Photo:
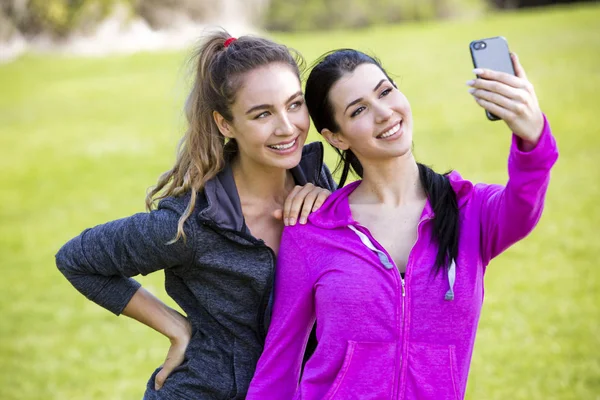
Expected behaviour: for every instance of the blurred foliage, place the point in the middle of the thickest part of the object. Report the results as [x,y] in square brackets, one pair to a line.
[57,17]
[534,3]
[62,17]
[166,13]
[305,15]
[298,15]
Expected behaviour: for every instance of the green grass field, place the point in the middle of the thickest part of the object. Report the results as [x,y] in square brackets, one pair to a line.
[82,139]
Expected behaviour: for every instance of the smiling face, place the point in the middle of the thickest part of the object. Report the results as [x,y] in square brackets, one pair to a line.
[270,120]
[374,118]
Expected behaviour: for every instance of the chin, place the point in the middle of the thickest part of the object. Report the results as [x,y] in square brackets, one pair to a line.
[404,151]
[290,162]
[400,151]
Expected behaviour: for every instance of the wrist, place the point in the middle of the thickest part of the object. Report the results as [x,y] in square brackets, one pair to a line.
[526,145]
[529,142]
[180,329]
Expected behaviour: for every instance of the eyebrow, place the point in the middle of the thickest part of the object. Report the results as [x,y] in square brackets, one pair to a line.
[265,106]
[361,99]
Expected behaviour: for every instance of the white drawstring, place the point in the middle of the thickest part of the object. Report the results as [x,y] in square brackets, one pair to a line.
[383,258]
[451,279]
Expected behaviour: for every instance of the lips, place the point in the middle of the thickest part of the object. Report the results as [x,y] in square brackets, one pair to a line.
[391,131]
[284,146]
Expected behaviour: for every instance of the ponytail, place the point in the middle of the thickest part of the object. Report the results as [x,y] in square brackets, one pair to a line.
[445,208]
[220,63]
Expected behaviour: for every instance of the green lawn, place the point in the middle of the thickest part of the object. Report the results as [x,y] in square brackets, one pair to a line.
[82,139]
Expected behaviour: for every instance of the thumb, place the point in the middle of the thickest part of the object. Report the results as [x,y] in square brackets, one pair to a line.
[519,71]
[278,214]
[164,373]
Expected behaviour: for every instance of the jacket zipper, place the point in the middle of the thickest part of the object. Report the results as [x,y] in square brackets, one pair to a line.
[404,339]
[403,292]
[395,274]
[264,301]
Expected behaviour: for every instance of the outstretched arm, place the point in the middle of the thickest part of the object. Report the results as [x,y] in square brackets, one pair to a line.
[509,213]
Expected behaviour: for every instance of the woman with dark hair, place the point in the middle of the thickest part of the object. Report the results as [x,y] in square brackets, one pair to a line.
[391,267]
[217,226]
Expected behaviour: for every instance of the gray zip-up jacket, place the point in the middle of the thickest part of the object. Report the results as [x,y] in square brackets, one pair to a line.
[221,277]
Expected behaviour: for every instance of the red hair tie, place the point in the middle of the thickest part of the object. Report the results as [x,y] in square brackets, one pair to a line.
[229,41]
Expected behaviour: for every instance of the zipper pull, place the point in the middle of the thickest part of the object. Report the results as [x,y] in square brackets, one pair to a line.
[403,290]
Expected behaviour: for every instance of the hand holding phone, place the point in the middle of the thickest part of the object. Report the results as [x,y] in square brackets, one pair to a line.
[505,95]
[492,53]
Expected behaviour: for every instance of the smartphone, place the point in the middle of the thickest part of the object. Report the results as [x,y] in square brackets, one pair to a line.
[491,53]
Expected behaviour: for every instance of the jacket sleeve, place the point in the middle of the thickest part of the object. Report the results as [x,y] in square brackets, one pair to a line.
[509,213]
[100,262]
[278,370]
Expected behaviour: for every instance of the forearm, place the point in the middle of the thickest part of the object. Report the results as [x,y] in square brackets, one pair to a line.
[509,213]
[150,311]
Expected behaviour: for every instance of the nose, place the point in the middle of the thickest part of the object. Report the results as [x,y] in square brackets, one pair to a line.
[285,126]
[382,113]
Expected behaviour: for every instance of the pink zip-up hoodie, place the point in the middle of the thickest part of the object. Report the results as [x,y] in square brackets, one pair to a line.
[381,336]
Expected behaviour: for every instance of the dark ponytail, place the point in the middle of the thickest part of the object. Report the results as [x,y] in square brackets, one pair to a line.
[348,162]
[324,74]
[445,208]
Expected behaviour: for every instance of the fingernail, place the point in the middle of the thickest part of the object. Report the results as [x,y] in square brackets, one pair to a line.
[286,221]
[471,82]
[472,90]
[292,221]
[302,220]
[478,71]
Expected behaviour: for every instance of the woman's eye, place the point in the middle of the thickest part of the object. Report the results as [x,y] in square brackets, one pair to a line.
[296,105]
[386,92]
[357,111]
[262,115]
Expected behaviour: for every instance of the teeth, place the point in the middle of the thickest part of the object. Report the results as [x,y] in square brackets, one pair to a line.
[390,132]
[283,146]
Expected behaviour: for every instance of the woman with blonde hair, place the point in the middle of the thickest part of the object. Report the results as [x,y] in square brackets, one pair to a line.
[217,226]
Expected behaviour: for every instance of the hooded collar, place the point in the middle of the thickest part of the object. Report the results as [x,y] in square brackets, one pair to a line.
[335,212]
[220,203]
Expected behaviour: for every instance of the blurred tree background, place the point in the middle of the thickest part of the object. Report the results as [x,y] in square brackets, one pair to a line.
[59,18]
[82,138]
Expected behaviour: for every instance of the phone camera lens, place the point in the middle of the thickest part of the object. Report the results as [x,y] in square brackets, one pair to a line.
[479,45]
